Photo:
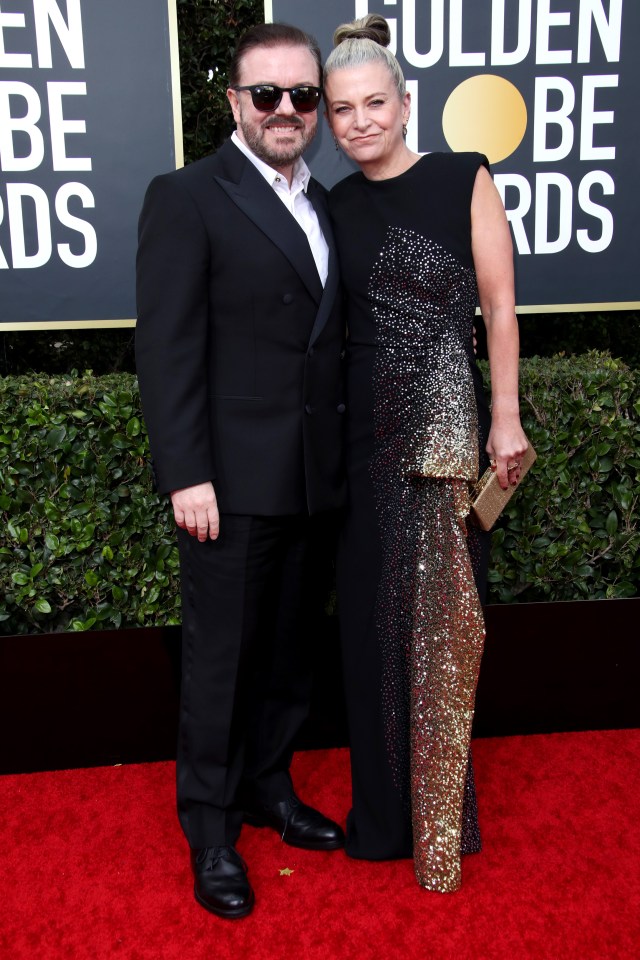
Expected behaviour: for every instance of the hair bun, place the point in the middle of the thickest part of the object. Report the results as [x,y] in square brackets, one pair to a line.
[372,27]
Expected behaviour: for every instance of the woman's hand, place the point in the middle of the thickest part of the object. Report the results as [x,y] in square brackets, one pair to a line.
[506,446]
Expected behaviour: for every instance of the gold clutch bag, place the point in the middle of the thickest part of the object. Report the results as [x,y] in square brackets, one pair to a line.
[488,499]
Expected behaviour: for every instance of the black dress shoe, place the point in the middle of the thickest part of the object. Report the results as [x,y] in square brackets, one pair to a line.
[298,825]
[221,884]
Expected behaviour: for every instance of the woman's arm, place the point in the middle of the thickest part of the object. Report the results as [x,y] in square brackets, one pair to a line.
[493,260]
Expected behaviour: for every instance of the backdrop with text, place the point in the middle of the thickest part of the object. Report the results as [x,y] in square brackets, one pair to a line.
[89,113]
[549,91]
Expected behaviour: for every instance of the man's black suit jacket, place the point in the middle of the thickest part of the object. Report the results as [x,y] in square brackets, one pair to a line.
[238,345]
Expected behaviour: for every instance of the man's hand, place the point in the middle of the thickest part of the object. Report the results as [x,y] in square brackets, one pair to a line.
[196,510]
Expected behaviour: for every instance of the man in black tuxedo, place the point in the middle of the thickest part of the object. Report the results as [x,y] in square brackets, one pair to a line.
[239,345]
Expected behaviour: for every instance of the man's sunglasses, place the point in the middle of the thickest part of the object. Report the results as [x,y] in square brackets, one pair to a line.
[267,96]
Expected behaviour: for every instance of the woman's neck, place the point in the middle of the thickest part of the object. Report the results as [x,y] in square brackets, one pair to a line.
[392,166]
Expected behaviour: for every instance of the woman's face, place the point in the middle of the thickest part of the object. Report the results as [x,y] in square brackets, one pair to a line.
[366,113]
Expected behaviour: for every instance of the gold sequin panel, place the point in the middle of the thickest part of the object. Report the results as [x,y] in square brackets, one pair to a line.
[448,639]
[428,614]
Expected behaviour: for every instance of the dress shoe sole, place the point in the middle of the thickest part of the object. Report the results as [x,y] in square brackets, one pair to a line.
[253,820]
[230,913]
[328,846]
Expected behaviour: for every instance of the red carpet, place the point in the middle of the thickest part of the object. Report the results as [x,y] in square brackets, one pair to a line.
[94,866]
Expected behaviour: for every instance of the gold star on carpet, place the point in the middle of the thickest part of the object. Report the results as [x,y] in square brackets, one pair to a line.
[286,872]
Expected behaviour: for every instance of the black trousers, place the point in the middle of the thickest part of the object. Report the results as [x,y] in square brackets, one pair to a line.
[246,678]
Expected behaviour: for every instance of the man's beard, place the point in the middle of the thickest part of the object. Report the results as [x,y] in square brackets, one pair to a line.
[276,155]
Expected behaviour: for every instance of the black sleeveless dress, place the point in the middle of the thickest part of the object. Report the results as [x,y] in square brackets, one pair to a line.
[410,574]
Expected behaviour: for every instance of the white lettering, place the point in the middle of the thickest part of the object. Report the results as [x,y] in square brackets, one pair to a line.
[61,127]
[15,60]
[516,215]
[565,192]
[409,34]
[499,55]
[26,124]
[548,25]
[47,13]
[456,56]
[546,20]
[77,260]
[543,118]
[591,116]
[16,192]
[3,260]
[604,180]
[609,31]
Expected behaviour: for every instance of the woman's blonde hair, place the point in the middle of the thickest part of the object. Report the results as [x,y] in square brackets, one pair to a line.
[364,41]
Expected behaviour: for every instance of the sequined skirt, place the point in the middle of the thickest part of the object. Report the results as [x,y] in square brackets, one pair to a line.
[412,635]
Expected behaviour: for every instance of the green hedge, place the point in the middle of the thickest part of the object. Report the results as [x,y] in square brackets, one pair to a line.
[573,529]
[88,544]
[208,31]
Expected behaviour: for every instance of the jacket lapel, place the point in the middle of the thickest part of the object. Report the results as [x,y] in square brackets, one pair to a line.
[317,196]
[251,194]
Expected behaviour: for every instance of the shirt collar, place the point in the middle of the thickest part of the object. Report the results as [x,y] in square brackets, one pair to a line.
[301,172]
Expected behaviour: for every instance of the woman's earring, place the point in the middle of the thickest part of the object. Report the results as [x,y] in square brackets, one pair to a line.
[335,140]
[404,130]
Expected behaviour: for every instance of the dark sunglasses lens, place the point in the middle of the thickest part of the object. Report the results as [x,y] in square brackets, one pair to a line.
[305,99]
[266,97]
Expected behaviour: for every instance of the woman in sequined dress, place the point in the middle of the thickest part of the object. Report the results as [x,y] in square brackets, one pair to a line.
[419,238]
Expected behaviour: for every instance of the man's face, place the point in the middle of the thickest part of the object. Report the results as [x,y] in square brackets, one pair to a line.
[280,137]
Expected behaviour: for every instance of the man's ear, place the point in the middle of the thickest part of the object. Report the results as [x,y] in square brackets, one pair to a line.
[232,97]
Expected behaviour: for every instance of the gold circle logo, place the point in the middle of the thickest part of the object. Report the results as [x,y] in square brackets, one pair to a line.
[485,113]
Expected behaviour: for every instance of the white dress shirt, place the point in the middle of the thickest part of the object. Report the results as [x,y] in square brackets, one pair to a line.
[295,200]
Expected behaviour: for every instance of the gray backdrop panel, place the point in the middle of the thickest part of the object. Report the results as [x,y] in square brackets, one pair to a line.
[129,137]
[571,276]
